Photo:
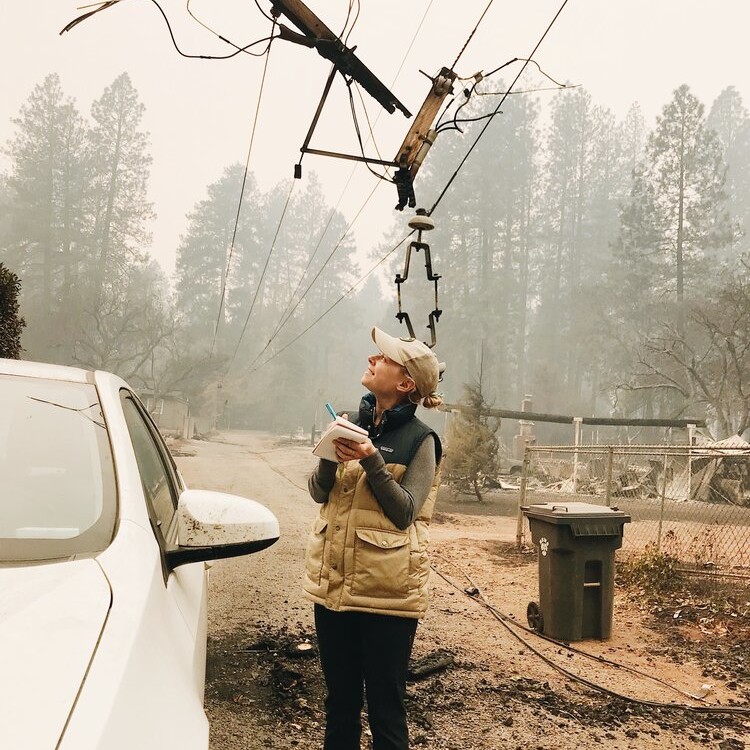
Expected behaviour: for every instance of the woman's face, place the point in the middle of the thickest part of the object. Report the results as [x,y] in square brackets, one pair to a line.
[384,377]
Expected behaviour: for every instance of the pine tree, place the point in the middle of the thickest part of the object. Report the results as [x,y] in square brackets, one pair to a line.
[730,120]
[677,217]
[203,255]
[583,184]
[120,165]
[45,234]
[483,244]
[471,442]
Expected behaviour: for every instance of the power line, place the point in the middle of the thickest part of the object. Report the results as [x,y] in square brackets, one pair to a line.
[316,277]
[497,109]
[239,202]
[370,128]
[238,50]
[445,189]
[224,39]
[359,134]
[471,36]
[262,275]
[340,299]
[284,317]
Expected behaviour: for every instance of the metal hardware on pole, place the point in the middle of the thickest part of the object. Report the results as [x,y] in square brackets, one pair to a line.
[421,222]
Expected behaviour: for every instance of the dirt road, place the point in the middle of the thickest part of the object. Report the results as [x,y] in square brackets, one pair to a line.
[264,692]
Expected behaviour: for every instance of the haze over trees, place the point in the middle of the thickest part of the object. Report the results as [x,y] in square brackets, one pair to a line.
[603,263]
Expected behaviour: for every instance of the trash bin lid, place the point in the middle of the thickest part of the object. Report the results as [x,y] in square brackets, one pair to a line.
[584,519]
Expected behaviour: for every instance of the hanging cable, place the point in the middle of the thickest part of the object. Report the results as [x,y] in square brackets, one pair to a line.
[354,22]
[349,83]
[223,38]
[239,202]
[329,309]
[238,50]
[478,78]
[262,275]
[370,128]
[527,91]
[497,109]
[283,320]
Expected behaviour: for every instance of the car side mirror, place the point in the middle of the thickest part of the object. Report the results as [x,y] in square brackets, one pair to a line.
[215,525]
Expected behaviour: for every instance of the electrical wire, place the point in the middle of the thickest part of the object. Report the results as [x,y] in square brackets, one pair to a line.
[238,50]
[354,23]
[329,309]
[284,317]
[370,128]
[263,12]
[239,202]
[527,91]
[359,134]
[471,36]
[223,38]
[507,622]
[478,78]
[497,109]
[262,275]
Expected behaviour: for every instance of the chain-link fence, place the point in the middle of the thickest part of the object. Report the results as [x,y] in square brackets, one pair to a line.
[692,502]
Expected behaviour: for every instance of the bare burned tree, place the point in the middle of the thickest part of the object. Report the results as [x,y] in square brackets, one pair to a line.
[124,326]
[706,362]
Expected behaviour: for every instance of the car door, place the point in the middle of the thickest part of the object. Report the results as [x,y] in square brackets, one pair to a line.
[186,586]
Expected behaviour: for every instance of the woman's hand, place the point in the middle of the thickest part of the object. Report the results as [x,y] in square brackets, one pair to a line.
[350,450]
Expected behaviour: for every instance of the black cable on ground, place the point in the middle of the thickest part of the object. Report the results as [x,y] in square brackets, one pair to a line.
[507,621]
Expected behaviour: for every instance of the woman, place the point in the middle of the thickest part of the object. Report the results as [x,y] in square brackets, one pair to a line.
[367,565]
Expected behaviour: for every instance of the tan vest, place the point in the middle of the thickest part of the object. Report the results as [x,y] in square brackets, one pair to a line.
[358,560]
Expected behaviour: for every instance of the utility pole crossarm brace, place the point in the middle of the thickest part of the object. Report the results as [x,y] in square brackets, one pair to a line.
[316,34]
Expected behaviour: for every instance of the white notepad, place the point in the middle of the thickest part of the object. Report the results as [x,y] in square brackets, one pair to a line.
[339,428]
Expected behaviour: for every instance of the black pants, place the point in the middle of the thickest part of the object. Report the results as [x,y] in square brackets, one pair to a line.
[359,648]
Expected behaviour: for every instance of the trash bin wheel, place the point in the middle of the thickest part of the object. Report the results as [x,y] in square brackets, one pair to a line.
[534,617]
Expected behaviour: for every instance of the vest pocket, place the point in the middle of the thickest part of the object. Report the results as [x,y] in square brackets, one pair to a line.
[381,563]
[315,548]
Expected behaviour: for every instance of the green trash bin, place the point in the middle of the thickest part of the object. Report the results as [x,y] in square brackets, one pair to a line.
[577,543]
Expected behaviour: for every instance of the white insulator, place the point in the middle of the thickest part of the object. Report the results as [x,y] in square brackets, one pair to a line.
[421,222]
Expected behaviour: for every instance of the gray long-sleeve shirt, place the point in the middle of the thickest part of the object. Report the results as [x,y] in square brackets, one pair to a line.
[400,502]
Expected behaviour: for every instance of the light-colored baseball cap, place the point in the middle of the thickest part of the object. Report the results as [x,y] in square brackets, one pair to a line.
[418,359]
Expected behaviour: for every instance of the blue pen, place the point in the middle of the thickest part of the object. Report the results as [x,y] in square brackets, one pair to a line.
[330,410]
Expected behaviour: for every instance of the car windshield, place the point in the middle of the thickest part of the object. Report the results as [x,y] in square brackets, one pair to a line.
[57,485]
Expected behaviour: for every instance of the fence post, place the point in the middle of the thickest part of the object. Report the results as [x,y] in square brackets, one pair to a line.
[577,421]
[610,460]
[691,437]
[522,495]
[663,497]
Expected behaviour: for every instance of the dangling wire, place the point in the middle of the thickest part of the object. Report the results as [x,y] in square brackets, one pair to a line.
[262,275]
[288,313]
[241,198]
[349,83]
[227,41]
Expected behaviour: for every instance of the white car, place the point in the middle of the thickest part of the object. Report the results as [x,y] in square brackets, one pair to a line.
[103,575]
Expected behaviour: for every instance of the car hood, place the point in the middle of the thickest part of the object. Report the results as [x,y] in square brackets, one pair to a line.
[51,618]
